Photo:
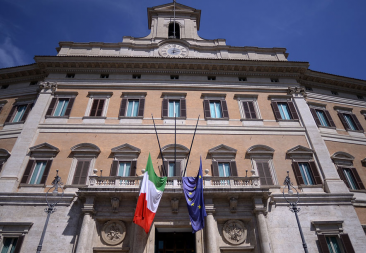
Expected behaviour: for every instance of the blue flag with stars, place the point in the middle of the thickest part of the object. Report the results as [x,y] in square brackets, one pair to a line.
[193,191]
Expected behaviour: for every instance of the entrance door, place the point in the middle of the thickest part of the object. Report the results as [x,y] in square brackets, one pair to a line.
[175,242]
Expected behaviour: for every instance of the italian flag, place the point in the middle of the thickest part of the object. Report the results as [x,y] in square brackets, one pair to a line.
[152,189]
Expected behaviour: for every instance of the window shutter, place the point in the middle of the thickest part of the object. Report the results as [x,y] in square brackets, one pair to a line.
[183,109]
[18,247]
[276,111]
[69,107]
[1,166]
[347,245]
[81,172]
[141,107]
[341,117]
[11,113]
[264,173]
[215,168]
[25,115]
[164,112]
[342,176]
[46,171]
[51,107]
[166,168]
[114,168]
[246,109]
[313,112]
[358,179]
[225,112]
[1,108]
[27,171]
[252,110]
[177,170]
[292,110]
[234,170]
[316,175]
[84,172]
[329,118]
[94,107]
[299,179]
[206,108]
[358,124]
[100,107]
[133,168]
[323,244]
[122,109]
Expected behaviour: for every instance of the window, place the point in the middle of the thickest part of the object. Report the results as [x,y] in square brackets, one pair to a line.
[4,86]
[274,80]
[336,243]
[1,107]
[322,117]
[174,107]
[284,110]
[174,30]
[174,77]
[223,161]
[136,76]
[81,172]
[70,75]
[60,107]
[36,172]
[308,88]
[211,78]
[12,236]
[215,109]
[306,173]
[350,121]
[170,155]
[351,178]
[123,168]
[132,105]
[19,113]
[125,161]
[97,108]
[264,172]
[242,79]
[104,75]
[172,170]
[249,110]
[335,93]
[262,165]
[9,244]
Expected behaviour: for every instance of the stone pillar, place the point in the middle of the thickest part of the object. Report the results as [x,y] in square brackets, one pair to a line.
[15,165]
[260,212]
[332,182]
[85,241]
[211,231]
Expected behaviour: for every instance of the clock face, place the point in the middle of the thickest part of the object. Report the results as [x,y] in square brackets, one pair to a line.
[173,50]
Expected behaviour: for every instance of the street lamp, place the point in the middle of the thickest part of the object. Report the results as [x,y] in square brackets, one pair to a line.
[293,206]
[56,185]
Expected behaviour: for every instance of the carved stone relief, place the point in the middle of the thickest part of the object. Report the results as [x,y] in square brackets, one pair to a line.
[113,232]
[234,232]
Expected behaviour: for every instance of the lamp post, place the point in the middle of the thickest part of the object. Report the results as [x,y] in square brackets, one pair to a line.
[293,206]
[56,185]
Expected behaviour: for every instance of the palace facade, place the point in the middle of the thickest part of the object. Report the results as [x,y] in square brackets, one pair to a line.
[87,114]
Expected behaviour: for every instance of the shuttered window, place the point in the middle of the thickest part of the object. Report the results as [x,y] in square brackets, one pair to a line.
[1,107]
[36,172]
[306,173]
[9,244]
[249,110]
[264,172]
[224,169]
[174,107]
[97,108]
[60,107]
[351,178]
[350,121]
[335,244]
[172,170]
[131,107]
[81,172]
[284,110]
[215,109]
[123,168]
[322,117]
[19,113]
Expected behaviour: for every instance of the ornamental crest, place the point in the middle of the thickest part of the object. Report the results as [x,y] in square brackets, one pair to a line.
[113,232]
[234,232]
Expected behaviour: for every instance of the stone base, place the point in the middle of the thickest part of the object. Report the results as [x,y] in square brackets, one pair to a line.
[8,185]
[335,186]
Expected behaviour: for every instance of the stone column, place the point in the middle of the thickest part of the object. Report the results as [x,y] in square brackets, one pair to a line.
[14,167]
[211,231]
[260,212]
[332,182]
[85,241]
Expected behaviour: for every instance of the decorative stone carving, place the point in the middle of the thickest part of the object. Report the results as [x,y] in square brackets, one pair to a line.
[115,204]
[296,91]
[174,202]
[48,86]
[233,204]
[234,232]
[113,232]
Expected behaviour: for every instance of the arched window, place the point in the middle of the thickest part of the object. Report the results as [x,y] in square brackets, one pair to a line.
[171,30]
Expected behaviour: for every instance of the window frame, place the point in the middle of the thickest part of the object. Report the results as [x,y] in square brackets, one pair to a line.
[292,111]
[126,96]
[342,111]
[244,99]
[55,101]
[207,98]
[29,170]
[328,117]
[29,106]
[98,95]
[14,230]
[167,97]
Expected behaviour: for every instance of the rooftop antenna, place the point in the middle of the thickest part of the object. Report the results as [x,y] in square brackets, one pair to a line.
[174,22]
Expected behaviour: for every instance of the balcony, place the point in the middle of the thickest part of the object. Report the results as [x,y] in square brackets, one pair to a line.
[175,182]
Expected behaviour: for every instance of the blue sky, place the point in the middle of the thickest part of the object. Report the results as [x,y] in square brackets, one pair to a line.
[330,34]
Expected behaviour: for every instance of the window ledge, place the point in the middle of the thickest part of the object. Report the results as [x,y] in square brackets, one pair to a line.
[325,127]
[361,191]
[172,118]
[217,118]
[14,123]
[251,119]
[355,131]
[33,185]
[94,117]
[288,120]
[311,186]
[57,117]
[75,186]
[125,117]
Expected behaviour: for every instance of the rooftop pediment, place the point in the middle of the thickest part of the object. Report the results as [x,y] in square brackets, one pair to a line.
[126,150]
[169,151]
[299,150]
[85,149]
[222,152]
[342,156]
[44,149]
[260,150]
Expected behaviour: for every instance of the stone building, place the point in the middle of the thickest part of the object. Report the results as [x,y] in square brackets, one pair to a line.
[87,113]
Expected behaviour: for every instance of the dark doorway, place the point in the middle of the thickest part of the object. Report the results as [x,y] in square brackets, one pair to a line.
[175,242]
[171,30]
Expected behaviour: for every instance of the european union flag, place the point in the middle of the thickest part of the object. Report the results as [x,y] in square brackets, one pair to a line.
[193,191]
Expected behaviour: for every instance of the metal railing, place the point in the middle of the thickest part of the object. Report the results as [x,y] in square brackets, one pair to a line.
[175,182]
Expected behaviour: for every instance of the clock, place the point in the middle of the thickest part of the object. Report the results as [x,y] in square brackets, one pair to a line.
[173,50]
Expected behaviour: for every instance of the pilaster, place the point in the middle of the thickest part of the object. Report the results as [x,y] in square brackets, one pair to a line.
[211,230]
[260,212]
[85,242]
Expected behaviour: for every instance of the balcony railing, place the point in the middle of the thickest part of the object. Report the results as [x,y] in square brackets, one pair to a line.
[175,182]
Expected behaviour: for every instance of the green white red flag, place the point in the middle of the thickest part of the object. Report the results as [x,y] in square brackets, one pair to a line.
[152,189]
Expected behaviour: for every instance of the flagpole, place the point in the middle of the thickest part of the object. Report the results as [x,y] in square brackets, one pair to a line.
[174,21]
[175,141]
[157,137]
[189,154]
